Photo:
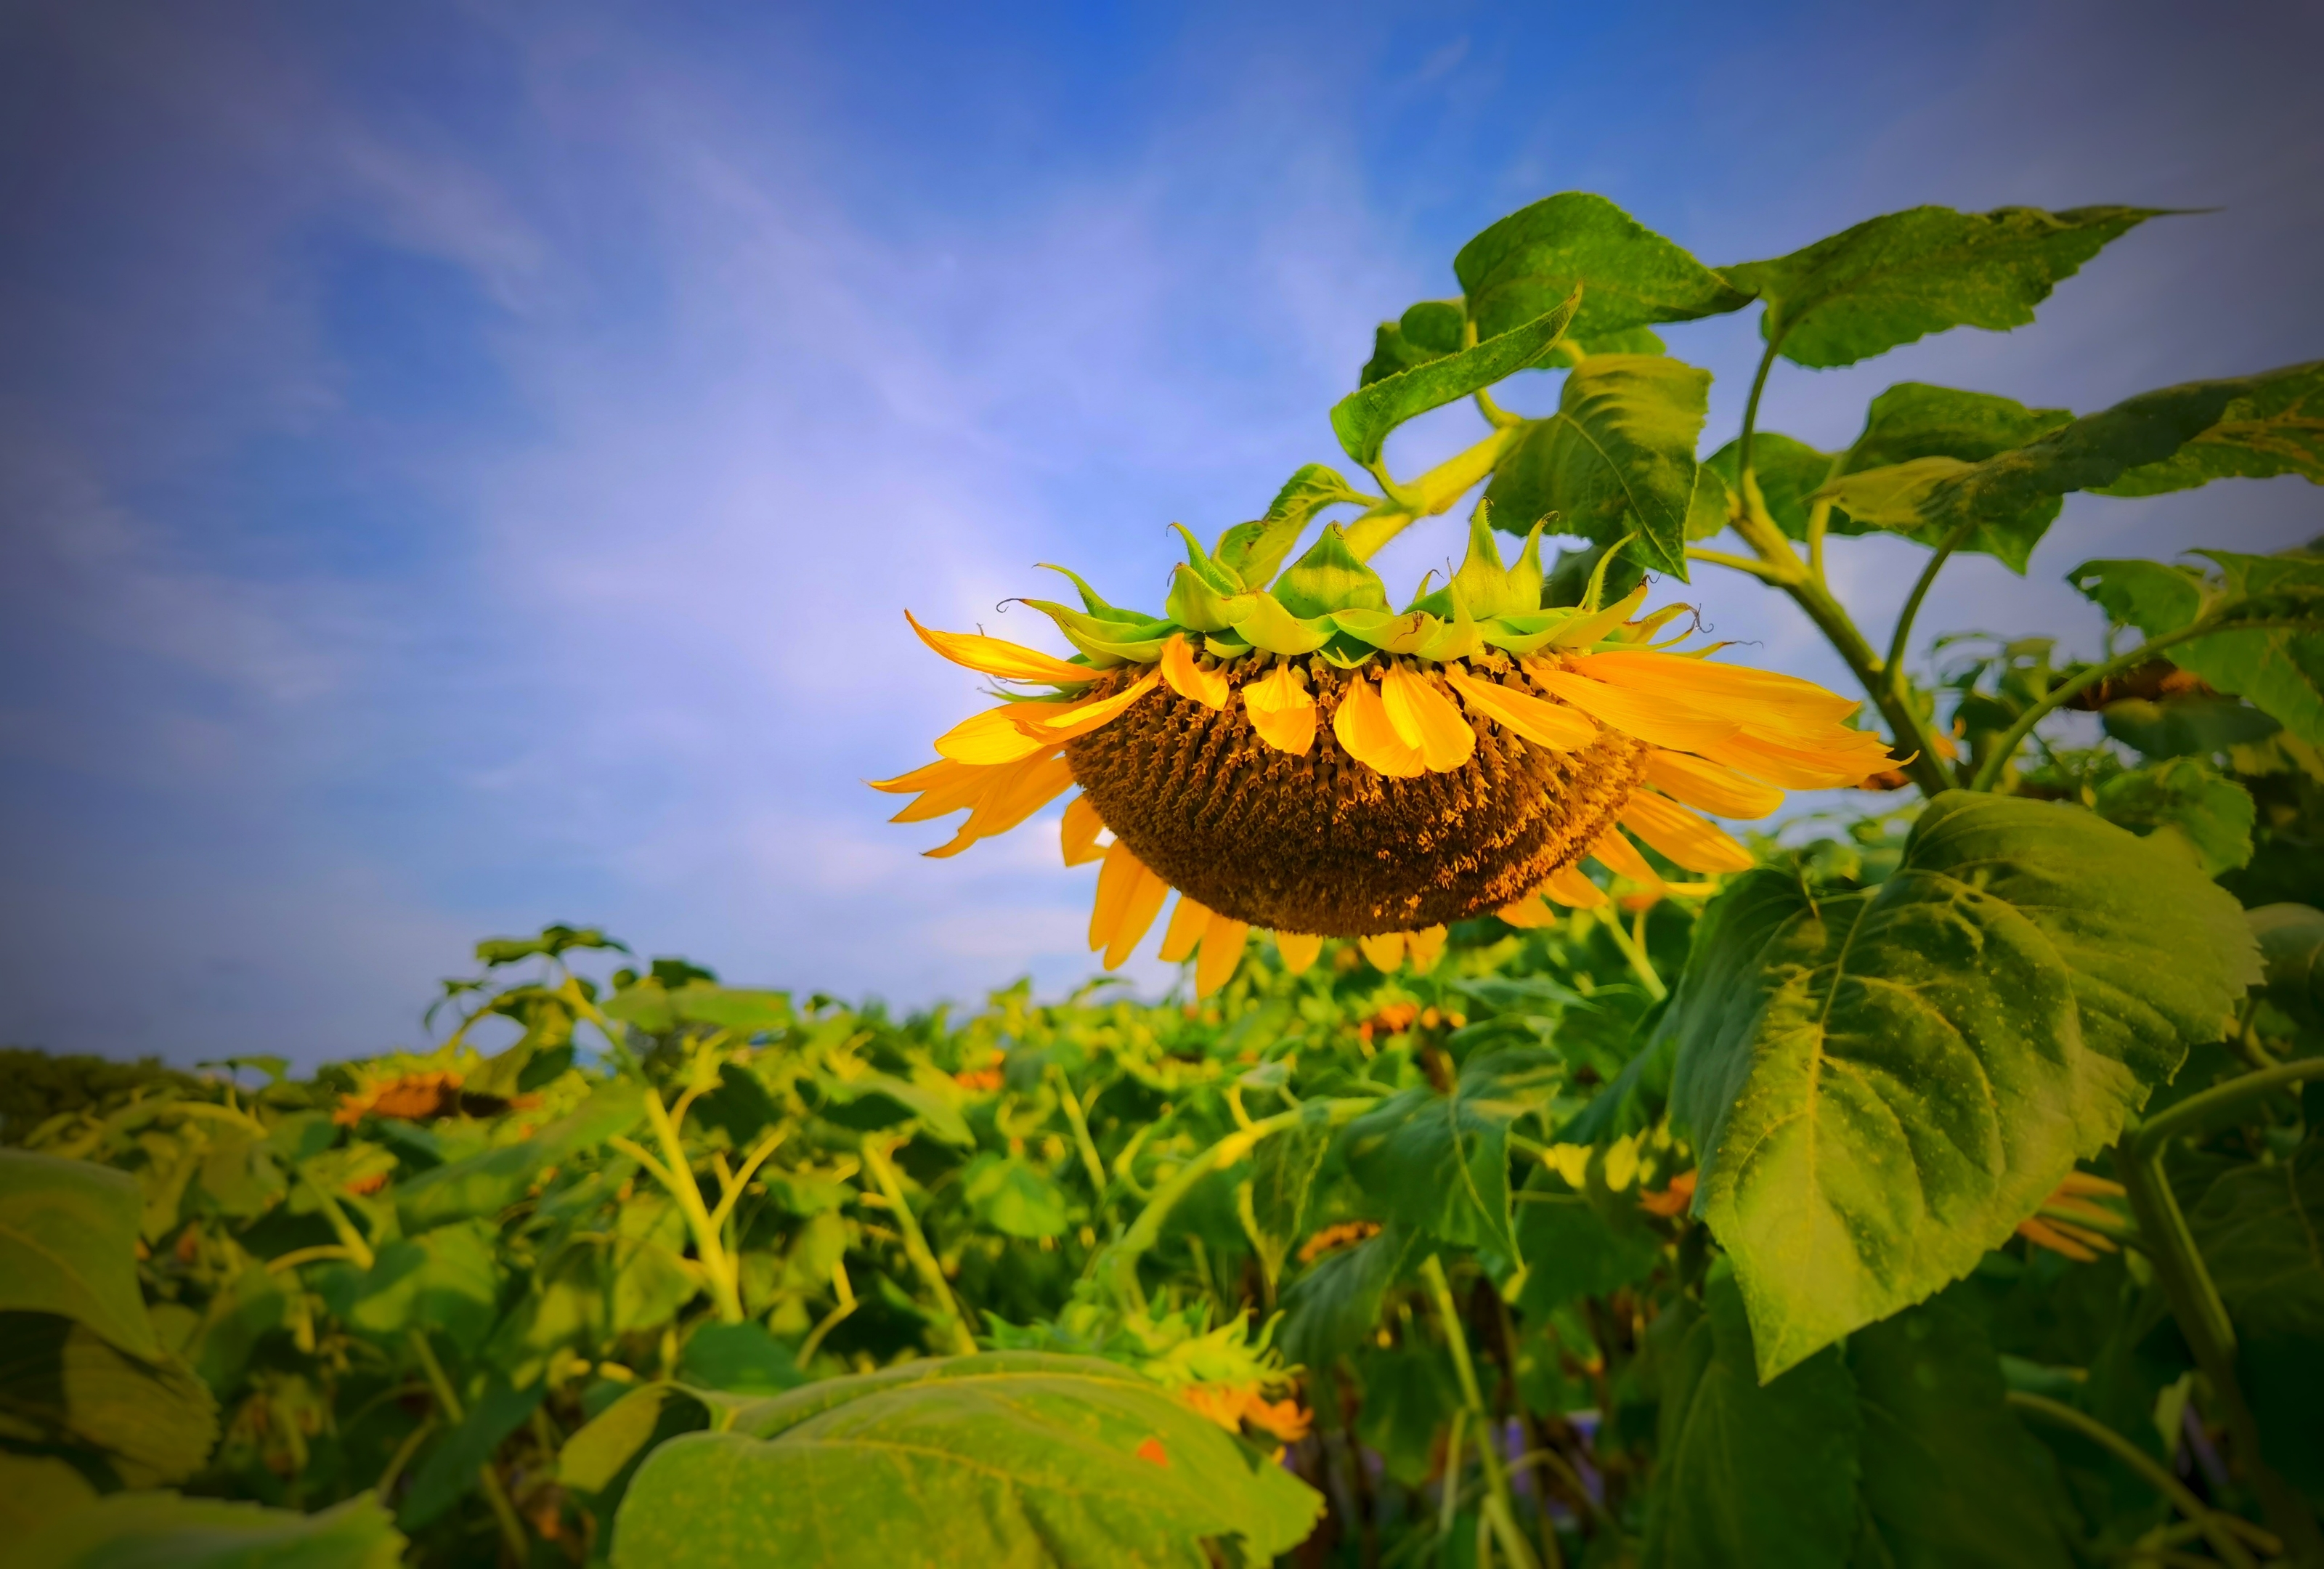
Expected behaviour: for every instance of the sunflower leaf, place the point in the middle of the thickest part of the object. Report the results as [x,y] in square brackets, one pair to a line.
[1893,280]
[1628,275]
[1364,419]
[1882,1083]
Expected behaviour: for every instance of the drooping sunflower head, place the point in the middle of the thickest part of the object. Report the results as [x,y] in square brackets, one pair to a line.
[1294,756]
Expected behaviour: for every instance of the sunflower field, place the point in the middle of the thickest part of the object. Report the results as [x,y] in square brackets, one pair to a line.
[1541,1162]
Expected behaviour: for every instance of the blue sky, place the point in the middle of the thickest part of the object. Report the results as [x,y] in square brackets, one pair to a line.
[461,465]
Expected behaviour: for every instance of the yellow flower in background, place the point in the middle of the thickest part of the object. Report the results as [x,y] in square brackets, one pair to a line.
[1302,762]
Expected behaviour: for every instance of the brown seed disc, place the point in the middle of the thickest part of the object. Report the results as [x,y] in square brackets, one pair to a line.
[1323,843]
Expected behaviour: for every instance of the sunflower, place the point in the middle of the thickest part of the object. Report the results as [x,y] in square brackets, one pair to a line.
[1290,755]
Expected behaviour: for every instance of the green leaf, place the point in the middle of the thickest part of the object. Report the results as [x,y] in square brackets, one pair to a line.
[488,1183]
[2279,669]
[1408,1395]
[1283,1183]
[2007,490]
[152,1422]
[741,1358]
[1364,419]
[1748,1473]
[1788,472]
[1006,1458]
[1617,458]
[1912,420]
[877,1100]
[2211,814]
[1896,278]
[1948,1475]
[2185,726]
[68,1245]
[1574,1248]
[1628,275]
[1014,1197]
[2291,948]
[1329,578]
[658,1010]
[36,1490]
[450,1471]
[2258,1228]
[446,1279]
[1882,1083]
[1442,1161]
[1428,330]
[141,1530]
[2276,427]
[1335,1306]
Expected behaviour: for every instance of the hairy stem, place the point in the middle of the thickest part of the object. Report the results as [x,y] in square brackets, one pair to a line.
[2197,1113]
[1083,1142]
[915,1245]
[1500,1507]
[675,1174]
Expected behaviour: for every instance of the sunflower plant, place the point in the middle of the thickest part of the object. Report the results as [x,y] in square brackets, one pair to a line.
[1577,1174]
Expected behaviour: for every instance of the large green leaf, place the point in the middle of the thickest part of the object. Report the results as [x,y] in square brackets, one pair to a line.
[1364,419]
[1748,1473]
[1914,421]
[1617,457]
[68,1245]
[1283,1181]
[1948,1476]
[145,1530]
[152,1422]
[1628,275]
[1883,1084]
[1427,331]
[1442,1161]
[453,1466]
[488,1183]
[1894,279]
[2277,427]
[1573,1248]
[1005,1459]
[1934,492]
[2198,726]
[1788,473]
[2279,668]
[1014,1197]
[2211,813]
[658,1010]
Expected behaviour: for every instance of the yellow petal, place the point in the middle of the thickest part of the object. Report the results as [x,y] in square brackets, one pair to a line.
[1299,950]
[1425,718]
[1710,786]
[964,787]
[1680,836]
[1055,723]
[928,776]
[1145,902]
[1077,835]
[1282,710]
[1015,794]
[1184,930]
[1009,662]
[1223,942]
[1425,947]
[1527,913]
[1654,720]
[1189,679]
[990,737]
[1568,887]
[1558,728]
[1363,726]
[1117,879]
[1794,768]
[1386,951]
[1761,696]
[1621,857]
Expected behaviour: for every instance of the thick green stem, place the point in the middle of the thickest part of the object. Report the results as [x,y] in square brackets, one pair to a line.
[1500,1507]
[2215,1530]
[2202,1318]
[915,1245]
[2198,1114]
[678,1176]
[1083,1142]
[353,1241]
[1633,952]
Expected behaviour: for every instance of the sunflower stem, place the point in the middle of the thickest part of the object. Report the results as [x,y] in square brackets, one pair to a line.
[1640,964]
[2208,1521]
[915,1245]
[1500,1507]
